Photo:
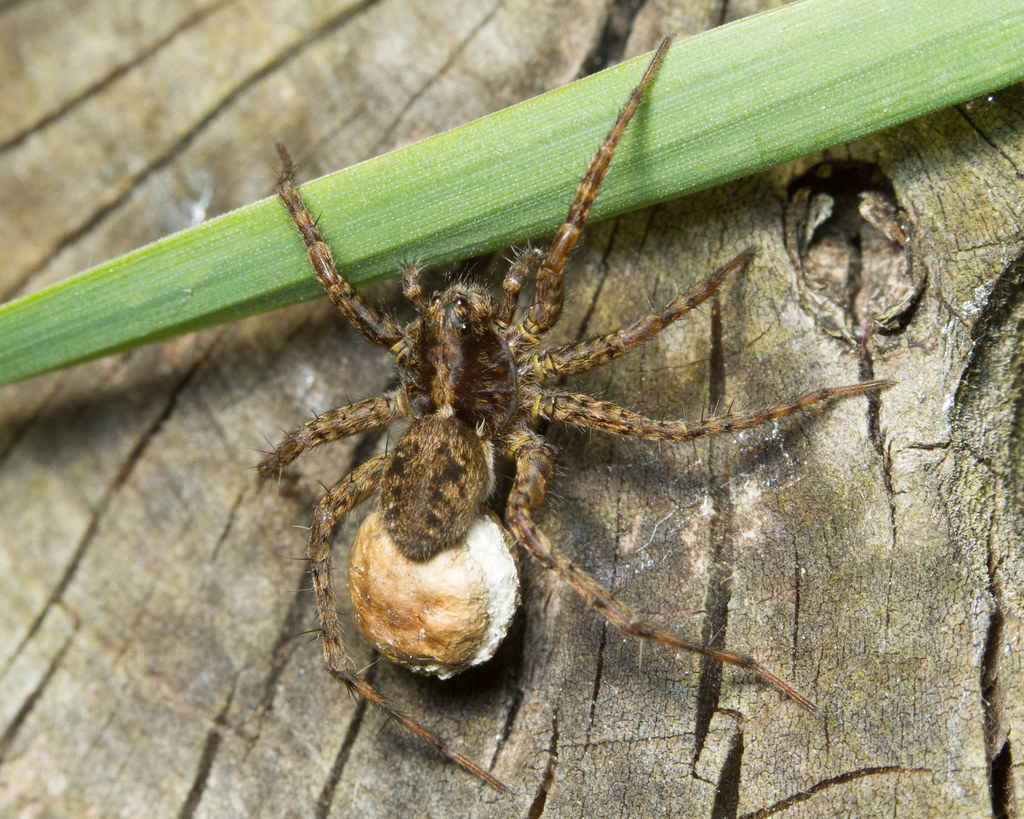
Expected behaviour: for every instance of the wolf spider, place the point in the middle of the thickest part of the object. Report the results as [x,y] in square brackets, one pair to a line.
[474,382]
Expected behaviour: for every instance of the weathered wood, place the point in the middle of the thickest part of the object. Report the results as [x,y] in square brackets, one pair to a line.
[150,656]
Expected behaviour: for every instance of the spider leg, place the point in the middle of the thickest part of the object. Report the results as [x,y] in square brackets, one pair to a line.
[534,469]
[580,356]
[374,325]
[548,294]
[338,502]
[411,288]
[526,262]
[593,413]
[362,416]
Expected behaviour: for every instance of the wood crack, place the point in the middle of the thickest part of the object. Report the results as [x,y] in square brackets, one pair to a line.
[797,577]
[727,789]
[831,782]
[596,690]
[877,436]
[184,140]
[998,750]
[719,588]
[391,127]
[326,797]
[206,759]
[115,73]
[9,735]
[610,45]
[540,799]
[583,328]
[130,461]
[988,141]
[284,647]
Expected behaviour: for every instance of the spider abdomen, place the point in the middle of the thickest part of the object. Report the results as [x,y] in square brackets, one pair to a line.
[434,485]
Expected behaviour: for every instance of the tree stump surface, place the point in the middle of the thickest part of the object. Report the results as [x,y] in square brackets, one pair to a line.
[151,655]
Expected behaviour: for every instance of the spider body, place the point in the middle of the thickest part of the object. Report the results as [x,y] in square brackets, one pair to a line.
[475,385]
[459,361]
[434,485]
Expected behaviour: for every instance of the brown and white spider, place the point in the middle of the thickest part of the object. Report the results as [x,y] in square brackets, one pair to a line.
[475,383]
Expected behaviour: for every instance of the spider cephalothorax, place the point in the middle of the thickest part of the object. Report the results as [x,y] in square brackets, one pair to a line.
[455,357]
[432,573]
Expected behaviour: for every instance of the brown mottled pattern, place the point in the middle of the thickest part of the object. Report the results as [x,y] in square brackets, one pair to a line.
[433,486]
[471,380]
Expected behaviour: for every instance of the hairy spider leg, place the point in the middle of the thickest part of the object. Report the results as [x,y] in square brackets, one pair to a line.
[373,324]
[411,288]
[525,263]
[548,293]
[580,356]
[534,470]
[343,497]
[593,413]
[362,416]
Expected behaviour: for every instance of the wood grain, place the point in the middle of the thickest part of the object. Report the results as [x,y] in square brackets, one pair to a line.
[151,661]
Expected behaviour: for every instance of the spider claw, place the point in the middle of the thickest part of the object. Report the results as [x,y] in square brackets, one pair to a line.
[784,687]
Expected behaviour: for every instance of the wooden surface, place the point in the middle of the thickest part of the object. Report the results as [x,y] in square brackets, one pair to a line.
[149,657]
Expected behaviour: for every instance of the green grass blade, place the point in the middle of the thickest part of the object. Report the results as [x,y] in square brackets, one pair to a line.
[725,104]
